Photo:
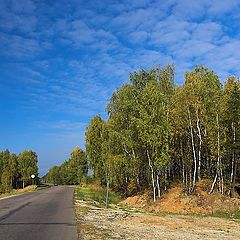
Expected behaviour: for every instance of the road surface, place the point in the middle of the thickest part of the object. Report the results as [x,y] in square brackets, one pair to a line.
[42,215]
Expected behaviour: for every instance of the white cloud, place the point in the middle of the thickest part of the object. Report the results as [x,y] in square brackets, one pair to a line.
[209,31]
[138,36]
[222,7]
[188,9]
[65,59]
[20,48]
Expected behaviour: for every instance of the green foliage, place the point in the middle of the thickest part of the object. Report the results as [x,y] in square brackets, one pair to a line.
[15,171]
[158,133]
[72,172]
[6,181]
[27,162]
[94,147]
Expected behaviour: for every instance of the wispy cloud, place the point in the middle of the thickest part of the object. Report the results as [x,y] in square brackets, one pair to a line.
[62,60]
[18,16]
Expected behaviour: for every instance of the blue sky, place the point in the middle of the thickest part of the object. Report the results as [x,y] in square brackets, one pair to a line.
[60,61]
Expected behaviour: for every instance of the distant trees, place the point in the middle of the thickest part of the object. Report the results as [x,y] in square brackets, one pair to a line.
[159,133]
[73,171]
[27,162]
[15,171]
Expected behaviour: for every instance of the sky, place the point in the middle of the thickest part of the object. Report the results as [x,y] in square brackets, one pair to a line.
[60,61]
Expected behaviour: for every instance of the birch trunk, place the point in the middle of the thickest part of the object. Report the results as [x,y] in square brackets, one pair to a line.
[165,179]
[183,175]
[200,146]
[186,182]
[231,177]
[152,174]
[219,173]
[194,153]
[221,182]
[213,184]
[158,186]
[234,165]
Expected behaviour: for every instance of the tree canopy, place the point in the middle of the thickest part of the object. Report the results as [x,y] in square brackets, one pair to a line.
[159,133]
[16,170]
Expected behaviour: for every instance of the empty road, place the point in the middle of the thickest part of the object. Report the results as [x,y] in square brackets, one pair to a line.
[42,215]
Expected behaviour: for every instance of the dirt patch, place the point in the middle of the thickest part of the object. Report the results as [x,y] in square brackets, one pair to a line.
[175,201]
[99,223]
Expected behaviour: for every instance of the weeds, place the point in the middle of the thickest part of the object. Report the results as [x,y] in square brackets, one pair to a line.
[97,196]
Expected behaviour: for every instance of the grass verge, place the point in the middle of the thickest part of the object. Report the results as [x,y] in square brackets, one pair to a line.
[96,195]
[229,215]
[19,191]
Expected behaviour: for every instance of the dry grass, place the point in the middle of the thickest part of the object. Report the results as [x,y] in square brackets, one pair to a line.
[30,188]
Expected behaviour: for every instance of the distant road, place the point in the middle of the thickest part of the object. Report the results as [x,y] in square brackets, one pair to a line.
[42,215]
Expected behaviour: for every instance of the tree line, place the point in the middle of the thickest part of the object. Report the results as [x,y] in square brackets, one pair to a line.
[71,172]
[159,133]
[16,170]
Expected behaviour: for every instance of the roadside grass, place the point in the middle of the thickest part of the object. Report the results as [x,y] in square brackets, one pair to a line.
[30,188]
[218,214]
[229,215]
[96,195]
[226,215]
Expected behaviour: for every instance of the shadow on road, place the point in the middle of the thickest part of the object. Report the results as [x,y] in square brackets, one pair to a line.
[14,211]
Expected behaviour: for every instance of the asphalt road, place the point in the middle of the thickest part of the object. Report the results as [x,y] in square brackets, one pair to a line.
[42,215]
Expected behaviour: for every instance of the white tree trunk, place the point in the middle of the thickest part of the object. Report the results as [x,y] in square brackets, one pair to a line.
[152,173]
[200,146]
[165,179]
[194,153]
[183,174]
[158,186]
[234,164]
[219,173]
[221,183]
[213,184]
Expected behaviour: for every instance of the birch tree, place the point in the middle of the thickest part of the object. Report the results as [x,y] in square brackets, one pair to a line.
[94,148]
[232,123]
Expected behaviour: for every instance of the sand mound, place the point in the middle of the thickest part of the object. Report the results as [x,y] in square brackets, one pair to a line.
[175,201]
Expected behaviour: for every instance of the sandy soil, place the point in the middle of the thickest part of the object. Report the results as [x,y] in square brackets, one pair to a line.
[100,223]
[175,201]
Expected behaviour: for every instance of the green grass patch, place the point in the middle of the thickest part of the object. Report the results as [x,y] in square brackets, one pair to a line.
[219,214]
[83,210]
[96,195]
[229,215]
